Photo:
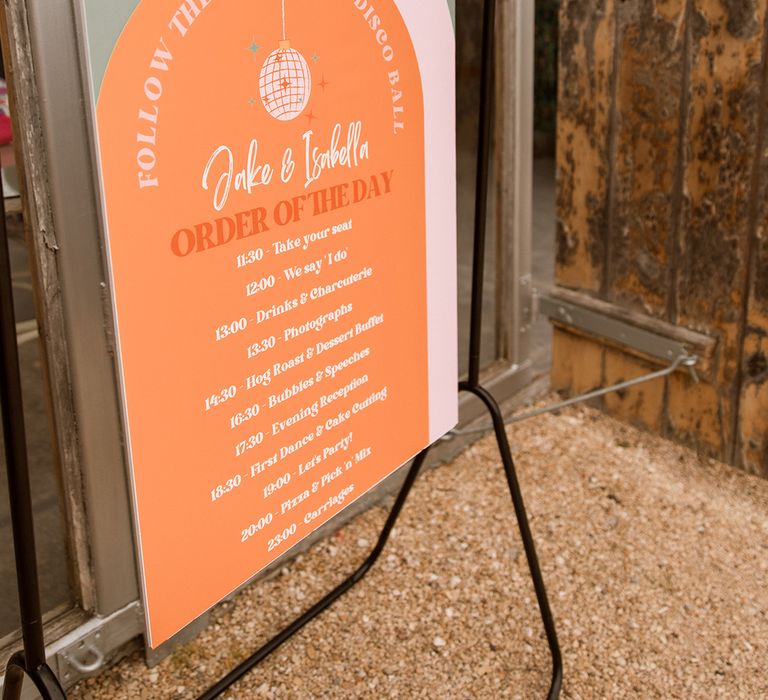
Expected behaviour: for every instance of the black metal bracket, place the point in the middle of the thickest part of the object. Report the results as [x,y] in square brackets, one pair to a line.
[31,662]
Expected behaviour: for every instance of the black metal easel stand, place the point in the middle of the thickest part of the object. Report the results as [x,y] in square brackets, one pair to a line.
[32,663]
[473,386]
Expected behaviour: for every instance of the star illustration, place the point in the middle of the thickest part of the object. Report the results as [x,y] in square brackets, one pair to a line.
[323,83]
[315,57]
[251,101]
[254,47]
[310,116]
[285,84]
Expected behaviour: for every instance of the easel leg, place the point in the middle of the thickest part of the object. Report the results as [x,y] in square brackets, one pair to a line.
[14,679]
[331,597]
[485,133]
[525,533]
[44,679]
[32,662]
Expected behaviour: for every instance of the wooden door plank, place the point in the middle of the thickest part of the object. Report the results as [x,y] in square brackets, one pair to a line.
[722,128]
[586,86]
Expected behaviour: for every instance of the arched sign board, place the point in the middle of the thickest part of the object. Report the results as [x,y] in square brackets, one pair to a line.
[278,181]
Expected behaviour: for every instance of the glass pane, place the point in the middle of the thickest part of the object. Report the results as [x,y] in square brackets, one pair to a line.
[49,523]
[468,39]
[544,189]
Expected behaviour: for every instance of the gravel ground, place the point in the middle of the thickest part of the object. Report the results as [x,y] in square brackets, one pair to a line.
[656,561]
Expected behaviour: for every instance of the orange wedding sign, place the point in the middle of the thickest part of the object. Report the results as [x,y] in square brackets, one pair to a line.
[279,203]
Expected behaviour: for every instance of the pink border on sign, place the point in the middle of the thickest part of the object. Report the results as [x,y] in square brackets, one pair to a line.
[434,40]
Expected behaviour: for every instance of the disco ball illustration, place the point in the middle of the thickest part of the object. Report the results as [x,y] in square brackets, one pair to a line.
[285,83]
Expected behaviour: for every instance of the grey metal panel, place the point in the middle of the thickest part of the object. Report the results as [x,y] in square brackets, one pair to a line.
[105,21]
[83,287]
